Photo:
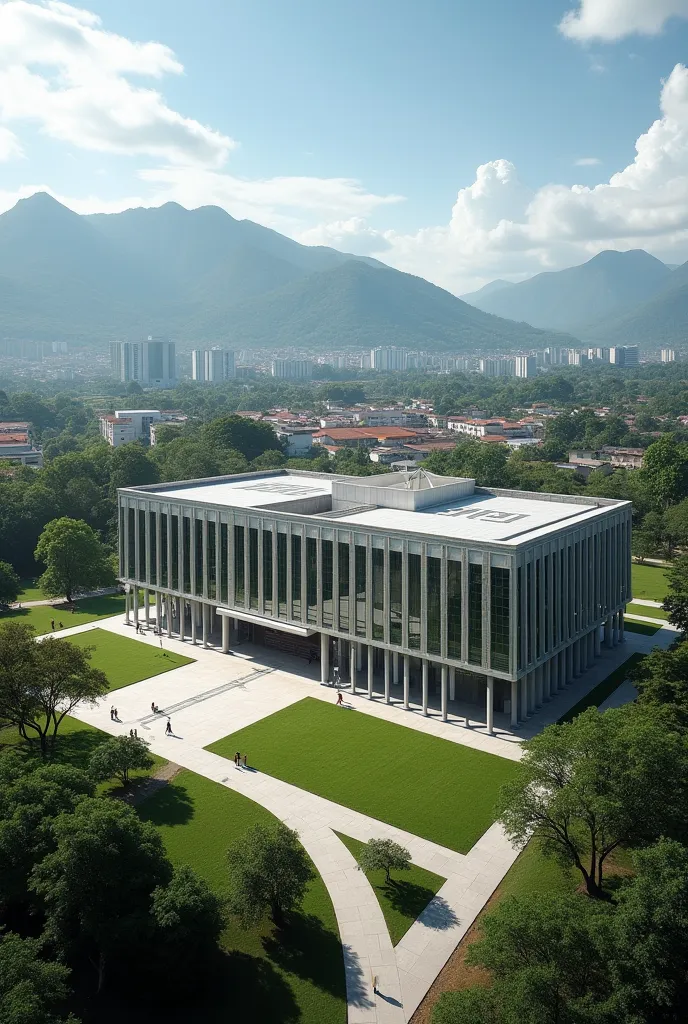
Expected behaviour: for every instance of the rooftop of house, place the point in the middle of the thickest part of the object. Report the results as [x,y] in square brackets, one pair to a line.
[410,502]
[354,433]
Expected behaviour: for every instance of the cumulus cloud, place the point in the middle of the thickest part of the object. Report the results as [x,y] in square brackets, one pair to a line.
[63,71]
[609,20]
[588,161]
[9,145]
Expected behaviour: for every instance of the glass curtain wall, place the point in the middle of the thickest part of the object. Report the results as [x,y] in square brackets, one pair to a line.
[142,546]
[212,561]
[395,598]
[475,613]
[224,564]
[198,535]
[253,567]
[499,618]
[163,550]
[453,609]
[267,572]
[360,571]
[343,553]
[296,577]
[311,580]
[282,575]
[239,586]
[414,602]
[327,575]
[131,553]
[152,520]
[378,573]
[434,606]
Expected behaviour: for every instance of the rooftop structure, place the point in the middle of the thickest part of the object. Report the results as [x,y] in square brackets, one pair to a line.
[501,594]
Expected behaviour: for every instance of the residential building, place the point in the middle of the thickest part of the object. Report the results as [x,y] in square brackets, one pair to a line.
[496,367]
[128,425]
[367,437]
[16,444]
[493,598]
[298,441]
[668,355]
[212,365]
[526,366]
[388,358]
[151,362]
[292,369]
[624,355]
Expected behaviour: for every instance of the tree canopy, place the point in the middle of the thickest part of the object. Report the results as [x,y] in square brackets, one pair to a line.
[75,559]
[269,872]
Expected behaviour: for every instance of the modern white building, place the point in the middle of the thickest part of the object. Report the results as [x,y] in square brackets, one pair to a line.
[292,369]
[212,365]
[135,424]
[624,355]
[150,362]
[668,355]
[388,358]
[496,367]
[422,589]
[526,366]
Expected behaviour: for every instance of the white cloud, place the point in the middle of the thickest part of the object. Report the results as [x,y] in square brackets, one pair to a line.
[60,69]
[609,20]
[588,161]
[9,145]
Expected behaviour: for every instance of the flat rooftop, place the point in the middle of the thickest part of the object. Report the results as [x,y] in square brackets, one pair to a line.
[413,501]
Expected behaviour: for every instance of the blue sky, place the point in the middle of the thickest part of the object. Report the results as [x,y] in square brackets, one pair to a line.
[364,125]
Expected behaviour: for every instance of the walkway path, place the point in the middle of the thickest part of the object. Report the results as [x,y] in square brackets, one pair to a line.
[63,600]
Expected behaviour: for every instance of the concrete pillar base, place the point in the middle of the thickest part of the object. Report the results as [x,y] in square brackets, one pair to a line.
[425,687]
[387,696]
[225,634]
[407,679]
[324,658]
[371,651]
[443,686]
[489,696]
[514,703]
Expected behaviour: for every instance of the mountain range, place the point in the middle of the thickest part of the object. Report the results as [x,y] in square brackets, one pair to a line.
[614,298]
[202,276]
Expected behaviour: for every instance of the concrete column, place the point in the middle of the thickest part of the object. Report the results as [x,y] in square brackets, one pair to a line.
[514,703]
[443,687]
[225,634]
[531,693]
[538,686]
[395,668]
[359,656]
[424,667]
[370,671]
[621,627]
[407,679]
[205,625]
[598,645]
[352,666]
[192,607]
[146,605]
[576,659]
[569,664]
[608,631]
[554,675]
[545,682]
[324,658]
[523,693]
[387,697]
[127,604]
[489,694]
[452,684]
[168,612]
[135,597]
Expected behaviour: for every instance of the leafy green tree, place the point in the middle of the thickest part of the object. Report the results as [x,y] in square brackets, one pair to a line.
[661,679]
[676,601]
[41,683]
[269,872]
[643,545]
[665,469]
[118,756]
[249,437]
[676,524]
[269,460]
[32,989]
[10,584]
[384,855]
[97,884]
[133,388]
[131,466]
[75,559]
[600,781]
[188,923]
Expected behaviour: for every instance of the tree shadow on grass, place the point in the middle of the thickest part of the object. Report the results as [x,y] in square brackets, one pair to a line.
[406,898]
[171,805]
[306,948]
[75,748]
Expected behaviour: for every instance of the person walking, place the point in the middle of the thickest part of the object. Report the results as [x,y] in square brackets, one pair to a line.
[61,626]
[168,728]
[340,699]
[237,759]
[52,624]
[245,758]
[116,715]
[112,712]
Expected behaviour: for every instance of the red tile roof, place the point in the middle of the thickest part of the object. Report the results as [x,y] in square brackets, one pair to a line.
[356,433]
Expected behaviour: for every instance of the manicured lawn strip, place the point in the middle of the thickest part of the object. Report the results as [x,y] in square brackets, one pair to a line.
[604,689]
[125,660]
[88,609]
[649,581]
[646,628]
[30,591]
[405,897]
[436,789]
[281,977]
[647,611]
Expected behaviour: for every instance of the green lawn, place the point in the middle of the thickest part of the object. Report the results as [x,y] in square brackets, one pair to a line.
[642,627]
[88,609]
[284,977]
[431,787]
[604,689]
[30,591]
[646,610]
[649,581]
[404,897]
[125,660]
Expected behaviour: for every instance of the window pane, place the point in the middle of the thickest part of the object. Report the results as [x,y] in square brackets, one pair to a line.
[344,588]
[122,553]
[224,563]
[311,580]
[475,613]
[395,631]
[529,611]
[175,582]
[378,570]
[326,555]
[453,609]
[153,577]
[267,572]
[296,578]
[131,554]
[538,598]
[282,575]
[212,565]
[519,630]
[499,619]
[163,550]
[361,583]
[239,589]
[414,601]
[253,567]
[433,605]
[142,546]
[198,533]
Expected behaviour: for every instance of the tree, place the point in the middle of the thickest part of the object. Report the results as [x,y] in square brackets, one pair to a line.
[118,756]
[384,855]
[643,545]
[661,678]
[188,922]
[74,557]
[41,683]
[131,466]
[676,601]
[269,871]
[665,469]
[31,988]
[676,524]
[133,388]
[249,437]
[590,785]
[97,884]
[10,584]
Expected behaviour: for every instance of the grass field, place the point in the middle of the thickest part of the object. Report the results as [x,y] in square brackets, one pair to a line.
[649,581]
[605,689]
[124,660]
[296,975]
[88,609]
[436,789]
[404,897]
[646,628]
[647,611]
[30,591]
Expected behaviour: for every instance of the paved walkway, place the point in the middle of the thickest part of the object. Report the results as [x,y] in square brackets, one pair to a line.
[218,694]
[63,600]
[652,604]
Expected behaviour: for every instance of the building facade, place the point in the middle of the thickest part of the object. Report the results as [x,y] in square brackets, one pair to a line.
[150,362]
[292,369]
[526,366]
[211,365]
[668,355]
[496,598]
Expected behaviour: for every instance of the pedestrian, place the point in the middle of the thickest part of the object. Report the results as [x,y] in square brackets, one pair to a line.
[61,626]
[73,609]
[160,643]
[131,733]
[153,706]
[112,712]
[245,758]
[237,759]
[52,623]
[136,734]
[116,715]
[340,699]
[168,728]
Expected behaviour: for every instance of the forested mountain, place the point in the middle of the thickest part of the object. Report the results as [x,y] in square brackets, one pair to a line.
[661,320]
[201,275]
